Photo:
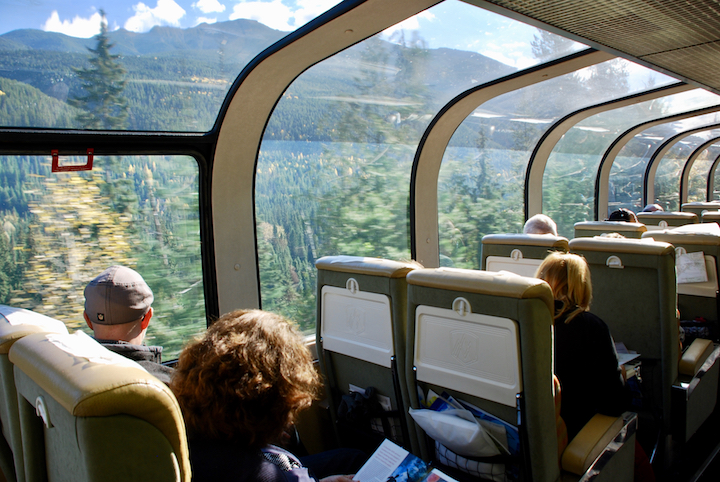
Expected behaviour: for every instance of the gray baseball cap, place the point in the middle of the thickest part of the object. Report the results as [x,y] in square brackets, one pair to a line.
[119,295]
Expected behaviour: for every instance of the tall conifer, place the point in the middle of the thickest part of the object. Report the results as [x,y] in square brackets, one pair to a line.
[103,106]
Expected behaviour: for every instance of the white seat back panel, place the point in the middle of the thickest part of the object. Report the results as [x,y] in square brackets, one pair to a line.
[471,353]
[707,289]
[522,266]
[357,324]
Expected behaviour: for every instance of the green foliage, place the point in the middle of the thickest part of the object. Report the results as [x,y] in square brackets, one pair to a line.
[103,106]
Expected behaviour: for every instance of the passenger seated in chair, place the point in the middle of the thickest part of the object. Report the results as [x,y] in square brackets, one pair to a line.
[585,358]
[540,224]
[117,309]
[624,215]
[240,388]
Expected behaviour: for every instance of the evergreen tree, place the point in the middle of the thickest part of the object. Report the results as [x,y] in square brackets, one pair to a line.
[103,106]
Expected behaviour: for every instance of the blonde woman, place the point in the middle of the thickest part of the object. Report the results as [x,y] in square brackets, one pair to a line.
[585,358]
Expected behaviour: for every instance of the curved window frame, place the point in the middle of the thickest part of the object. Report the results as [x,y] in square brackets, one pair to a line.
[685,176]
[711,179]
[544,148]
[654,162]
[602,180]
[435,139]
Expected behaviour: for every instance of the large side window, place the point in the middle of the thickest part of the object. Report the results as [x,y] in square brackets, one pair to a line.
[60,230]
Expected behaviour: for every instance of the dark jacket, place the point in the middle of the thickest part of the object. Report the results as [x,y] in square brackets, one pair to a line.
[587,365]
[148,357]
[227,461]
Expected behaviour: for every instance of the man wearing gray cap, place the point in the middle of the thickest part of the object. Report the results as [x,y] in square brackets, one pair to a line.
[117,309]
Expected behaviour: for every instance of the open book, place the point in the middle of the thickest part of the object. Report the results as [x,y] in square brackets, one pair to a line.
[391,463]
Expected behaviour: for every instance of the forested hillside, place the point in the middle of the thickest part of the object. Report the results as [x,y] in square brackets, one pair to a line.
[333,171]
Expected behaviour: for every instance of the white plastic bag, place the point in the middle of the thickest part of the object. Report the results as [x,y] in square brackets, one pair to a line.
[457,430]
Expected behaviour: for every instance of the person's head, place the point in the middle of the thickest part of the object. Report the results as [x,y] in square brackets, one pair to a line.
[540,224]
[245,379]
[569,278]
[651,208]
[117,305]
[624,215]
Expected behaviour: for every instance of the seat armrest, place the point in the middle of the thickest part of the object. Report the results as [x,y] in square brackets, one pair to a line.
[695,356]
[602,434]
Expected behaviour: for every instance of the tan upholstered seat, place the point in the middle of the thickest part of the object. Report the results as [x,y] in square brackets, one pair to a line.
[486,338]
[696,298]
[519,253]
[361,337]
[710,217]
[596,228]
[665,219]
[15,323]
[699,207]
[88,414]
[634,292]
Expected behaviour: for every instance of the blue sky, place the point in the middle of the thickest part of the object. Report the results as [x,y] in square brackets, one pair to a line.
[452,24]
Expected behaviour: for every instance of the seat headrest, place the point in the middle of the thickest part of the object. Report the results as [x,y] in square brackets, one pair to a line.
[705,237]
[89,380]
[611,226]
[548,240]
[652,217]
[621,245]
[16,323]
[711,216]
[702,204]
[362,265]
[493,283]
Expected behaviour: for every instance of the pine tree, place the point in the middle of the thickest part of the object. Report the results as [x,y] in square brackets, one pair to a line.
[103,106]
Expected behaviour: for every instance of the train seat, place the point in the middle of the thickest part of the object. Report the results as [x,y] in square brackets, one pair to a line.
[519,253]
[486,338]
[585,229]
[697,298]
[710,217]
[361,342]
[664,219]
[699,207]
[88,414]
[634,292]
[16,323]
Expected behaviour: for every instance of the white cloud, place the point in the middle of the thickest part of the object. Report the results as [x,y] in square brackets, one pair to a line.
[78,27]
[412,23]
[166,12]
[273,14]
[309,9]
[200,20]
[209,6]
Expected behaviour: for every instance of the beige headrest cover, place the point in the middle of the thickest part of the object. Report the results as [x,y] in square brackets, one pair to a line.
[620,245]
[702,204]
[362,265]
[89,380]
[692,217]
[548,240]
[611,226]
[16,323]
[679,237]
[501,283]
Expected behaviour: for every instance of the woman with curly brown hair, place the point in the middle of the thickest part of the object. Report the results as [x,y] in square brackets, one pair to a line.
[240,387]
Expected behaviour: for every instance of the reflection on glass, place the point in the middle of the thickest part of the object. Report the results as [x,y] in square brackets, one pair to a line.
[63,229]
[628,171]
[589,140]
[334,169]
